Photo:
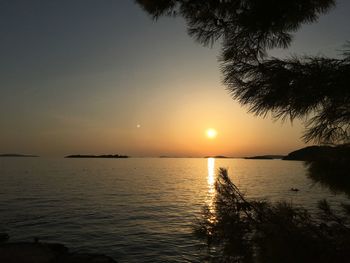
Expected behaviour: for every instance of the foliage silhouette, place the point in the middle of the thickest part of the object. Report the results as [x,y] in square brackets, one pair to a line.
[237,229]
[288,88]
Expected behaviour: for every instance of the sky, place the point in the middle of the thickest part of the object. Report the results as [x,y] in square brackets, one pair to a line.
[101,77]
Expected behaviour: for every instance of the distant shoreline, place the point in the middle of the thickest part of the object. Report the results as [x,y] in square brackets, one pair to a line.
[17,155]
[266,157]
[219,157]
[112,156]
[308,153]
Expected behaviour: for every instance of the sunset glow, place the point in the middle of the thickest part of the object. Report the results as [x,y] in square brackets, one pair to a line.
[115,91]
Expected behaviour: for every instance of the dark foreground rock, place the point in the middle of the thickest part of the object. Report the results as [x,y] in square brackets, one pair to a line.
[26,252]
[4,237]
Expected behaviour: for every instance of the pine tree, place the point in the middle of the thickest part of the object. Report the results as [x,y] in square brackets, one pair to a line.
[315,88]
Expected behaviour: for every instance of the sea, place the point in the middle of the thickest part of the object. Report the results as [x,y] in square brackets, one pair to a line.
[136,209]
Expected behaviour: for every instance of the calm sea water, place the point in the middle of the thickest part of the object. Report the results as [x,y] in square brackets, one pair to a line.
[137,209]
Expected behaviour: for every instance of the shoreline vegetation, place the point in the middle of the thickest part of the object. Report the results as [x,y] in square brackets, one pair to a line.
[113,156]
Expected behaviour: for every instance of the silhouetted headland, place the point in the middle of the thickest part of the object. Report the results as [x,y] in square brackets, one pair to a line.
[327,165]
[96,156]
[265,157]
[17,155]
[320,153]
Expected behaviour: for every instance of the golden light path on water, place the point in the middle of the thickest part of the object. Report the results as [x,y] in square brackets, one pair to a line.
[211,173]
[211,184]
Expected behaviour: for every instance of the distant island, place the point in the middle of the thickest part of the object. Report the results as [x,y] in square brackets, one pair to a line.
[17,155]
[97,156]
[265,157]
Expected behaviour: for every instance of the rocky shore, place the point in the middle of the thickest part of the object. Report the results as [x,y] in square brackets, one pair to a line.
[38,252]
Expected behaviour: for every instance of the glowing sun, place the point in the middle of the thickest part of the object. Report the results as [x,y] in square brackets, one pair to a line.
[211,133]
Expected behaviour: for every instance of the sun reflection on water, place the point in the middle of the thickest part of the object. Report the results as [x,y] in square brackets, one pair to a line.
[211,184]
[211,173]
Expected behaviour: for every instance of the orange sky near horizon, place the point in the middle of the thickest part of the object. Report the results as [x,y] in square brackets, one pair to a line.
[179,129]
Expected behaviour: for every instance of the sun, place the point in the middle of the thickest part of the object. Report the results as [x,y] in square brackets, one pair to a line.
[211,133]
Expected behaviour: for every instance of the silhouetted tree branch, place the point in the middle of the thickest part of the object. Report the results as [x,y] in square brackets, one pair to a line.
[308,87]
[294,88]
[238,229]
